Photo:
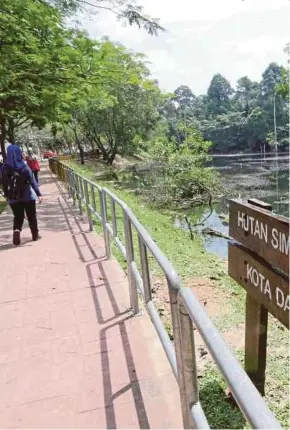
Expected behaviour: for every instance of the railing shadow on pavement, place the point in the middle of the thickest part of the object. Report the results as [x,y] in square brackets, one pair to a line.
[134,386]
[186,311]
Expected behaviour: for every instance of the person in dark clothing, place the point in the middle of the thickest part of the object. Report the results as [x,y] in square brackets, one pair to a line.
[26,204]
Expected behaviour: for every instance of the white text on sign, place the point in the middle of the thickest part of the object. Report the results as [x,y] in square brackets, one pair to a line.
[274,293]
[255,227]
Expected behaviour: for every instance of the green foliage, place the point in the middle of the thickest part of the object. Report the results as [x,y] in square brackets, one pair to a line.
[187,255]
[184,170]
[125,116]
[184,97]
[29,31]
[43,65]
[125,11]
[283,86]
[271,77]
[49,72]
[219,93]
[234,120]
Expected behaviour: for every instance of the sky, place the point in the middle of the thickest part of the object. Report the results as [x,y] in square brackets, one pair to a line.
[233,37]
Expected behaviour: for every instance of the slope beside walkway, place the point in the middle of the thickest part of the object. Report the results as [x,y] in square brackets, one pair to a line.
[71,354]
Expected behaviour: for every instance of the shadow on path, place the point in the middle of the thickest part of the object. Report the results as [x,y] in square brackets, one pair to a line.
[134,386]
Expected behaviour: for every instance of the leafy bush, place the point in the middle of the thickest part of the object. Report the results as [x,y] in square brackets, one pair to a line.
[185,175]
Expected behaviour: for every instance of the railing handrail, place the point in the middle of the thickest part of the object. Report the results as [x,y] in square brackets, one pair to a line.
[185,309]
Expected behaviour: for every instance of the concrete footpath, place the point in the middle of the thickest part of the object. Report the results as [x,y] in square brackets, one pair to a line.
[71,355]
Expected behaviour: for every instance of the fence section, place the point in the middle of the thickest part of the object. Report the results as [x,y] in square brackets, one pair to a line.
[102,205]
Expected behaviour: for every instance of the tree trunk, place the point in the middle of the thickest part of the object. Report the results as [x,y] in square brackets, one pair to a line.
[112,156]
[105,156]
[66,138]
[101,147]
[79,145]
[81,154]
[2,138]
[11,130]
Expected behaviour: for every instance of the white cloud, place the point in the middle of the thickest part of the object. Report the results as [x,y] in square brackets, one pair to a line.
[261,46]
[203,37]
[206,10]
[161,61]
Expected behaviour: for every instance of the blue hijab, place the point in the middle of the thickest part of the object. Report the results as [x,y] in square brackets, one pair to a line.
[15,157]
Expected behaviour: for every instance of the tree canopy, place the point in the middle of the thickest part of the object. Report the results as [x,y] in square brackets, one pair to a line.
[49,72]
[235,120]
[124,10]
[98,95]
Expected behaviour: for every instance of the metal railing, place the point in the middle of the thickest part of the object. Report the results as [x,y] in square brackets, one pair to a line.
[186,310]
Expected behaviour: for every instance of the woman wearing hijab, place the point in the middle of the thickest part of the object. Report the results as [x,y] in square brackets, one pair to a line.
[25,195]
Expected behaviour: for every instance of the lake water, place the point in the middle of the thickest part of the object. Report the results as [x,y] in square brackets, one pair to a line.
[248,176]
[243,176]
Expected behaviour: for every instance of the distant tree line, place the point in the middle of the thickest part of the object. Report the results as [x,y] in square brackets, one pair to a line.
[235,120]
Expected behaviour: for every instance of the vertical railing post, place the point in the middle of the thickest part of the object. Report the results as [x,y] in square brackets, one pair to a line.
[63,173]
[189,368]
[79,195]
[145,270]
[134,302]
[87,199]
[93,202]
[68,183]
[67,180]
[104,222]
[81,187]
[173,297]
[82,191]
[101,205]
[73,184]
[114,219]
[93,198]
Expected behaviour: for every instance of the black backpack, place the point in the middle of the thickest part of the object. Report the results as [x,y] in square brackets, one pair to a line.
[14,182]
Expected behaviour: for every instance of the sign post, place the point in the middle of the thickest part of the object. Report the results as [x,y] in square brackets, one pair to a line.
[263,248]
[256,342]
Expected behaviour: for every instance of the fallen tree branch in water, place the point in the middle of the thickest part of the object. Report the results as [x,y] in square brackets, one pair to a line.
[209,204]
[216,233]
[189,227]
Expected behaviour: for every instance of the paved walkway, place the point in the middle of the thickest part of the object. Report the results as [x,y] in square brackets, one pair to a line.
[71,355]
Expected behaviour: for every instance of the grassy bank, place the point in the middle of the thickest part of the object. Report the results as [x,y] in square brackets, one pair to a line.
[199,269]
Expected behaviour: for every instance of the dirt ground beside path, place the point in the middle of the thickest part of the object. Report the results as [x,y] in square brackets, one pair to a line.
[213,301]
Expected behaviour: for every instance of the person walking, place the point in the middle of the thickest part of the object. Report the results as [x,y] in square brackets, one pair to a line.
[34,165]
[21,189]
